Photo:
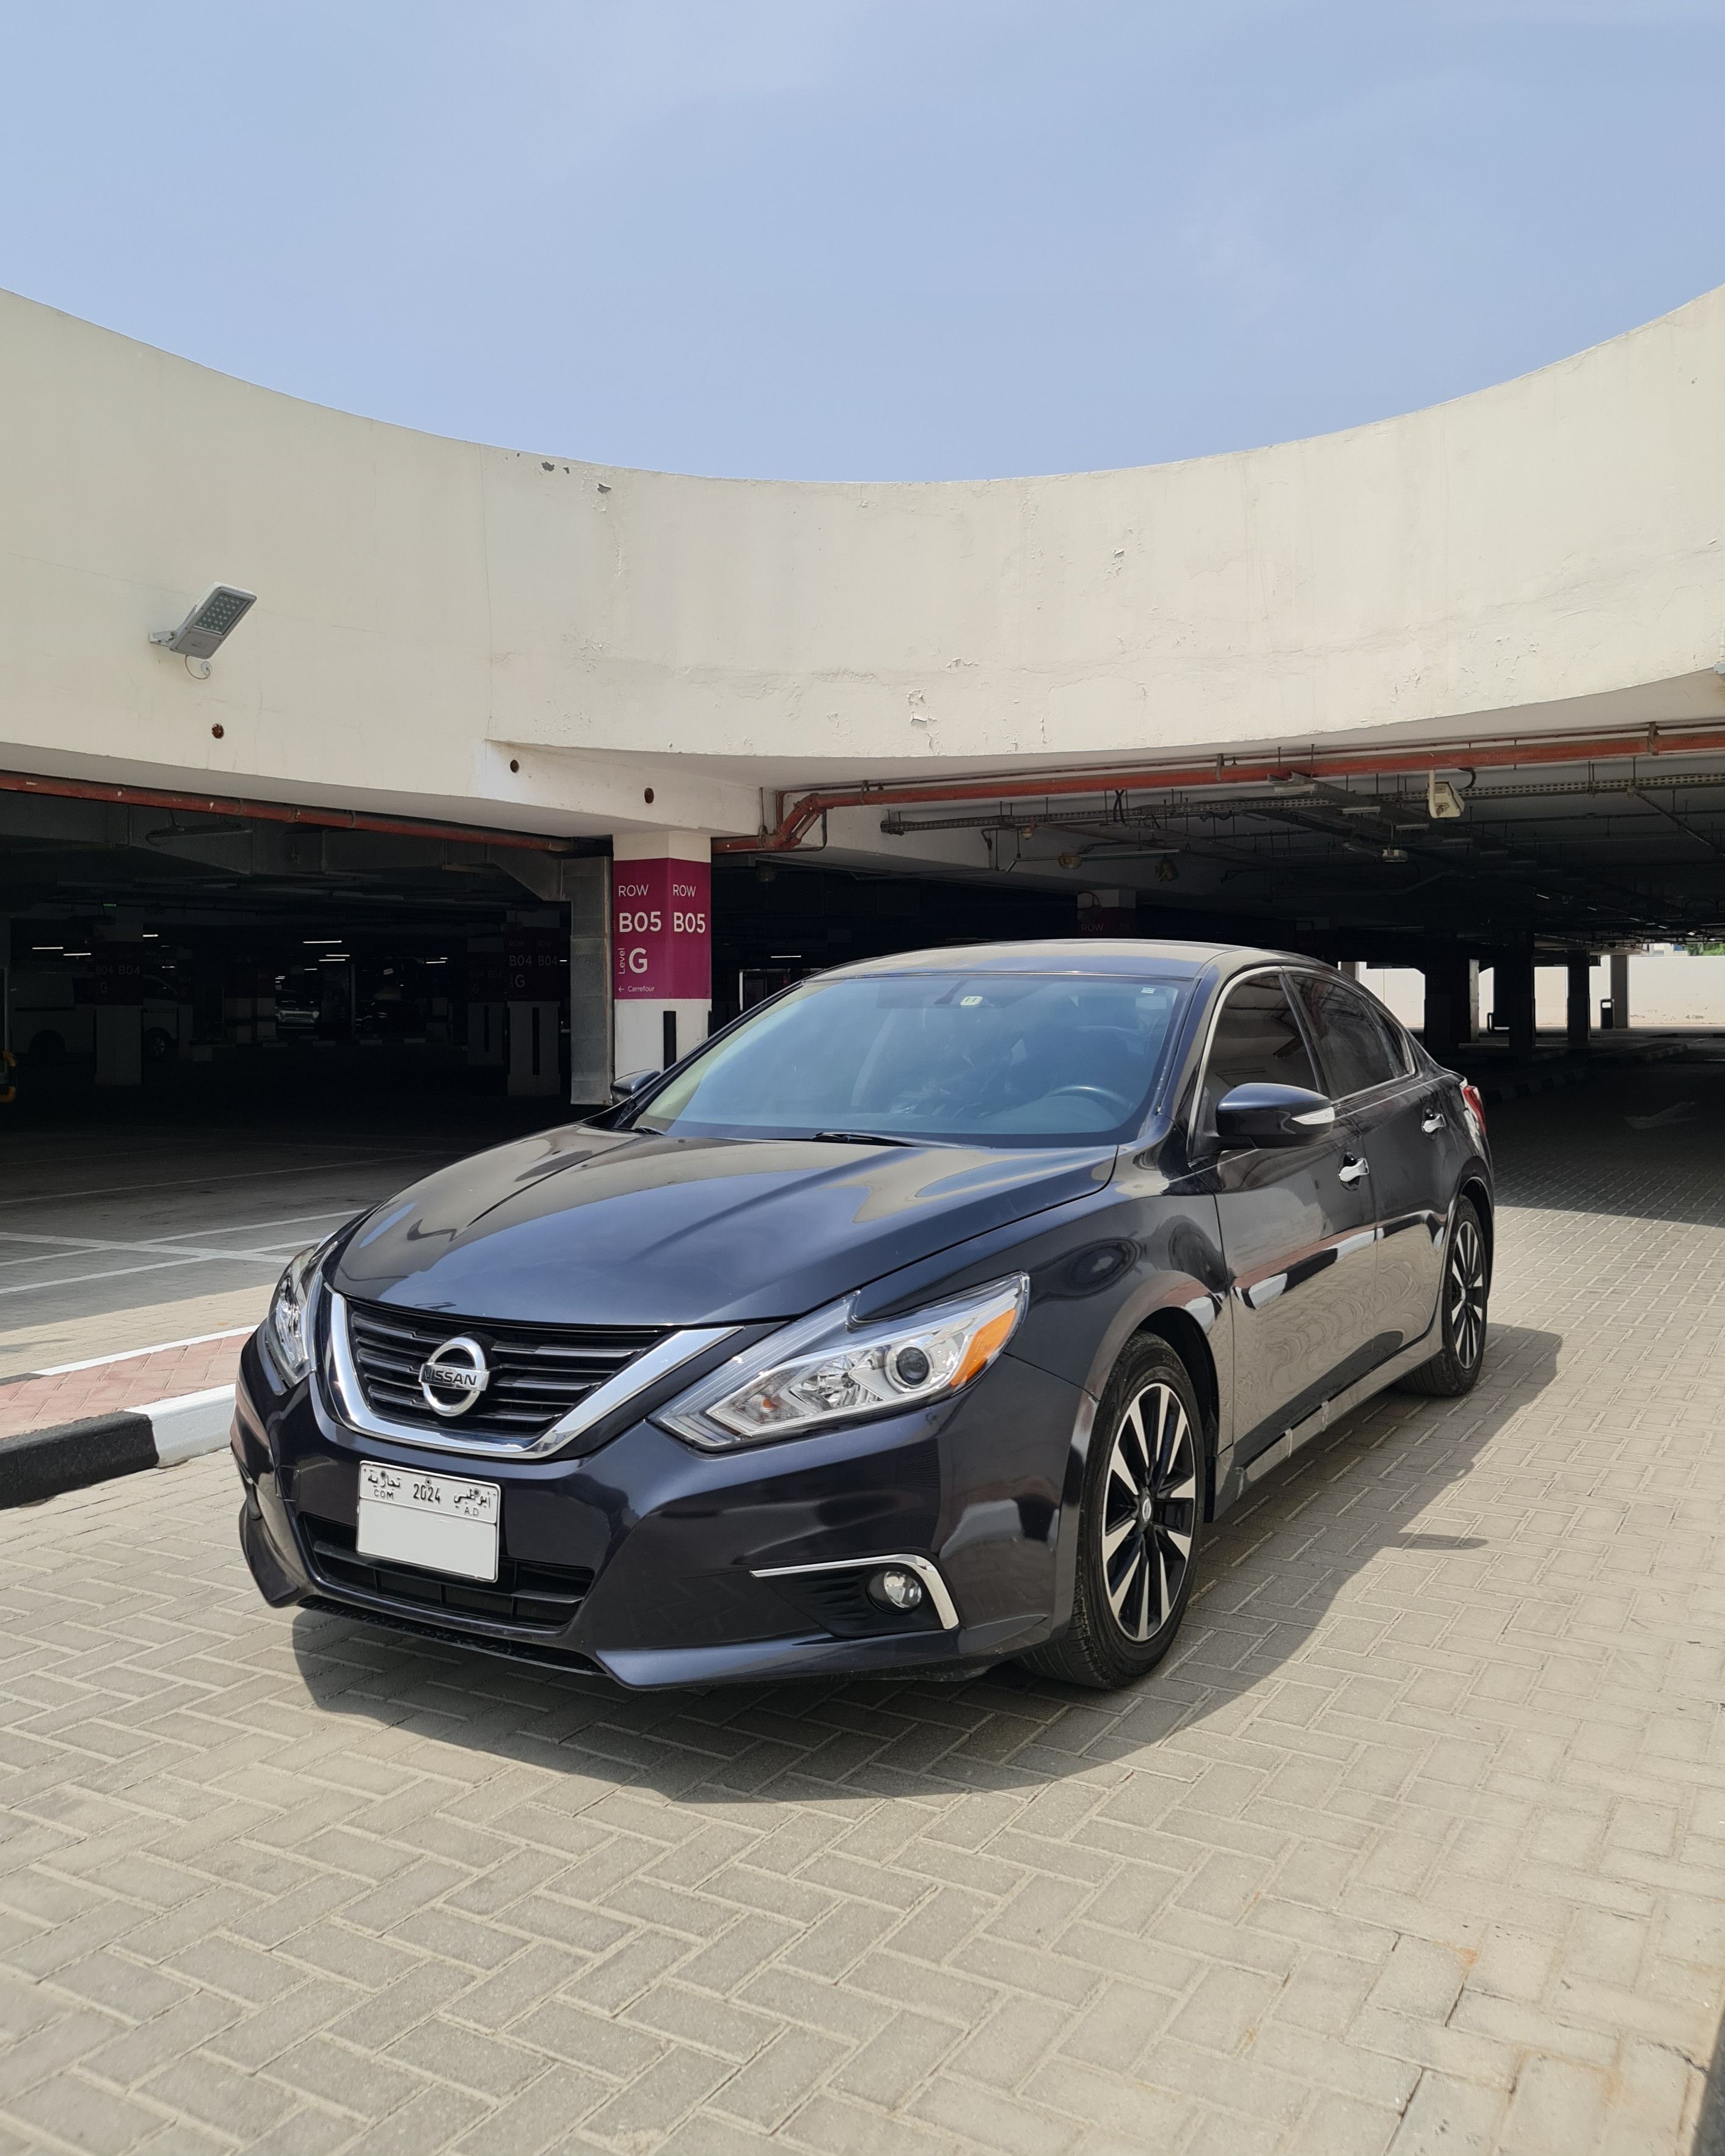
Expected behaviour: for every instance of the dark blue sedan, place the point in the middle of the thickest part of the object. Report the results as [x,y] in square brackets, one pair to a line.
[923,1317]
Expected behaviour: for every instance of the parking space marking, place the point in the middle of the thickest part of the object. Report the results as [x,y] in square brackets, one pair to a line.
[176,1244]
[247,1175]
[114,1272]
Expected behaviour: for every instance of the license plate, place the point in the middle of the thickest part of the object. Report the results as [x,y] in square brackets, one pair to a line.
[436,1522]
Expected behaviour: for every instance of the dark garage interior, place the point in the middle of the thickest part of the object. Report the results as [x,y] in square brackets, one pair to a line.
[251,961]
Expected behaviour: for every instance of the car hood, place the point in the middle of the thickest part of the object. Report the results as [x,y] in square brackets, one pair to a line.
[585,1227]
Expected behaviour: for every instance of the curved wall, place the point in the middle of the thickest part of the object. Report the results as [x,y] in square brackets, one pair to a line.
[1536,554]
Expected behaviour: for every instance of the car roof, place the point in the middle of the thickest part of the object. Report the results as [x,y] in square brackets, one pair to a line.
[1123,956]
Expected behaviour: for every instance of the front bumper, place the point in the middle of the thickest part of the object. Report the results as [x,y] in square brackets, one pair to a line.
[644,1560]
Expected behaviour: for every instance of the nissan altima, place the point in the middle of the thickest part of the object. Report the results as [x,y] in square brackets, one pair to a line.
[926,1315]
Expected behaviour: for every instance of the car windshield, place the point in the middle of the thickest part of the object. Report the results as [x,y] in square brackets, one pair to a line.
[995,1059]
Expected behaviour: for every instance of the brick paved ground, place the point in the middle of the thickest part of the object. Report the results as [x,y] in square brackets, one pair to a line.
[28,1404]
[1418,1845]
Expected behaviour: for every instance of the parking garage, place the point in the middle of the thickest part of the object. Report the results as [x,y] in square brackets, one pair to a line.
[228,954]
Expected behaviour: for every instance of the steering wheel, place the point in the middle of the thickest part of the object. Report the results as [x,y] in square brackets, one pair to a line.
[1093,1093]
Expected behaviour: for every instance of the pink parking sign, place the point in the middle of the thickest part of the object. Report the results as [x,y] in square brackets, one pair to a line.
[661,936]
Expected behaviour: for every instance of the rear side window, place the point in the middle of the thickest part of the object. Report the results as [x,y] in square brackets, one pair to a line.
[1357,1044]
[1257,1040]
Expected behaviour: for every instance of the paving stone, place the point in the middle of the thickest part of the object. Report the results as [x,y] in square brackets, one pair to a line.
[1415,1844]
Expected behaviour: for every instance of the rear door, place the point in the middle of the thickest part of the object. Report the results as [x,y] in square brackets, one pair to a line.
[1388,1105]
[1296,1229]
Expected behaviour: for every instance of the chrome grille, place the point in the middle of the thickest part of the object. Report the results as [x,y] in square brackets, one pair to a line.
[538,1372]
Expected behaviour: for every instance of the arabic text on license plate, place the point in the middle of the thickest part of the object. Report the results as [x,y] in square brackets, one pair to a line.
[439,1522]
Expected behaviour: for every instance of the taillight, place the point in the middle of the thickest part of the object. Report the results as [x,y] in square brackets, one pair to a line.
[1476,1105]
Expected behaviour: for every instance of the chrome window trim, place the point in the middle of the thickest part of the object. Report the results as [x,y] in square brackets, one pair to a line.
[924,1568]
[347,1396]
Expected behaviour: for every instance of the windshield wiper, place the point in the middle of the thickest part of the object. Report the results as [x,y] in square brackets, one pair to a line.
[861,1138]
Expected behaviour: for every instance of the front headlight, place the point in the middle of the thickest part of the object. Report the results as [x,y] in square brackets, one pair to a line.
[826,1371]
[287,1329]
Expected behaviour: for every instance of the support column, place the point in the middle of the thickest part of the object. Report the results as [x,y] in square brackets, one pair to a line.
[1452,1001]
[1580,1014]
[535,963]
[661,946]
[1512,973]
[117,957]
[486,979]
[1619,991]
[586,884]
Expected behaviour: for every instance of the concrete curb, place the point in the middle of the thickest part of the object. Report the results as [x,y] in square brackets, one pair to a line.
[72,1455]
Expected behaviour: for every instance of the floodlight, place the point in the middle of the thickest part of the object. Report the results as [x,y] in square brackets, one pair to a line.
[204,630]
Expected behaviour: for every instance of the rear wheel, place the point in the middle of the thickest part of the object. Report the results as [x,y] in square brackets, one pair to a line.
[1461,1312]
[1138,1526]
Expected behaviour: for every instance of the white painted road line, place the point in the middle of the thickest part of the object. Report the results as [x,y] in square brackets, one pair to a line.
[199,1182]
[132,1354]
[113,1272]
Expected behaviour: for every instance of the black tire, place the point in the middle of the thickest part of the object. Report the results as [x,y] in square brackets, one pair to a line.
[1461,1312]
[158,1045]
[1143,1499]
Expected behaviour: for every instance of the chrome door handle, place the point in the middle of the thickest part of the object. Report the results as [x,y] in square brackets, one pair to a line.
[1432,1125]
[1352,1171]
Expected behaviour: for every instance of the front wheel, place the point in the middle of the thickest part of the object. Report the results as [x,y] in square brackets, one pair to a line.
[1138,1526]
[1461,1312]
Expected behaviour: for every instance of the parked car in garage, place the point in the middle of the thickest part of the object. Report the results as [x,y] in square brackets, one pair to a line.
[52,1015]
[925,1316]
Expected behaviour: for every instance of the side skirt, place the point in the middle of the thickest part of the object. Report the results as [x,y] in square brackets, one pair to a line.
[1233,1482]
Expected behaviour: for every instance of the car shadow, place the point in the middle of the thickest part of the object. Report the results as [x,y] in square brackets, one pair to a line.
[1385,1489]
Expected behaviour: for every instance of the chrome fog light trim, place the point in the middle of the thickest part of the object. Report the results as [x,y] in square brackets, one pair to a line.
[939,1595]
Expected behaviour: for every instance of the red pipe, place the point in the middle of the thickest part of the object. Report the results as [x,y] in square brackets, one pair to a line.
[1315,763]
[273,811]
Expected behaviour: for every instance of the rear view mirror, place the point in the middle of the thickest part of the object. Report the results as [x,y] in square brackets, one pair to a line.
[1262,1115]
[625,1088]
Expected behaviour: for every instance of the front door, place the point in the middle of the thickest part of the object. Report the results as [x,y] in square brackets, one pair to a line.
[1389,1107]
[1296,1231]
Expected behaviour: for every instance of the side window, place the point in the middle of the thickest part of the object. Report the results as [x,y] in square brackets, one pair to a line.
[1257,1040]
[1357,1044]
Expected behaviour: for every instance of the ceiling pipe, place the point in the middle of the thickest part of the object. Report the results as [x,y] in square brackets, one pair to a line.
[273,811]
[798,816]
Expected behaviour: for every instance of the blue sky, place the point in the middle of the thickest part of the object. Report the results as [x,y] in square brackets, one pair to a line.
[864,238]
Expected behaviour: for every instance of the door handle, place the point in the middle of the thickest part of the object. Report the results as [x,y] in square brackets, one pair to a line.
[1352,1171]
[1432,1126]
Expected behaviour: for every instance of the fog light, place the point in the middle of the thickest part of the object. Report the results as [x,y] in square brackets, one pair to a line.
[897,1589]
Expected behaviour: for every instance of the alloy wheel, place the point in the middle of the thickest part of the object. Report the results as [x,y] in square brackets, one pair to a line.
[1149,1511]
[1467,1293]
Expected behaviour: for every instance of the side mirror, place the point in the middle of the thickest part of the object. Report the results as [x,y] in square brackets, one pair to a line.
[625,1088]
[1261,1115]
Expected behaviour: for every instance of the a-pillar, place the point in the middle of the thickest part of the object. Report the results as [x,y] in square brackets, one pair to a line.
[1619,991]
[1579,1014]
[661,946]
[1452,1001]
[1512,980]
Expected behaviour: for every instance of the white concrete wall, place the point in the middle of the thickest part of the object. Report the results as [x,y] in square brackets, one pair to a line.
[1546,552]
[1676,991]
[1665,992]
